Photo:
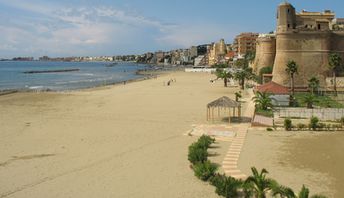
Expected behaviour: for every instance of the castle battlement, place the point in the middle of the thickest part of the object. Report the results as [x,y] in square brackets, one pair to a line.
[305,37]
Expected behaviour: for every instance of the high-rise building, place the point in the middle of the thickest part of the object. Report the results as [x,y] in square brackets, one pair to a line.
[245,42]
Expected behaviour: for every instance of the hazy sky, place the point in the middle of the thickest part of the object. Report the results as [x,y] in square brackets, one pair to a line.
[110,27]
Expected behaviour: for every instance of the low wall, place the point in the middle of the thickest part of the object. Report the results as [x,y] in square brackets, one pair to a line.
[323,114]
[206,70]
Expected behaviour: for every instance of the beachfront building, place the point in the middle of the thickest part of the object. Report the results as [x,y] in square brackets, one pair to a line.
[217,52]
[245,42]
[279,94]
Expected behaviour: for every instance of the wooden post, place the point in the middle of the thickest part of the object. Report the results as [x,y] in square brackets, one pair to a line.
[229,115]
[239,111]
[212,114]
[218,111]
[233,111]
[207,113]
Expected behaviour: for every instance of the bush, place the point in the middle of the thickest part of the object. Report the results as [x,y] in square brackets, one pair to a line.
[287,124]
[197,154]
[329,127]
[342,120]
[205,141]
[314,122]
[301,126]
[322,126]
[336,126]
[226,186]
[269,129]
[205,171]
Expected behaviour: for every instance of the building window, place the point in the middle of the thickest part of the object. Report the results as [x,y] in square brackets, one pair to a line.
[288,25]
[319,27]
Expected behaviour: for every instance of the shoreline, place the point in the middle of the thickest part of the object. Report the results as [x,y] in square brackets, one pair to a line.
[146,74]
[101,142]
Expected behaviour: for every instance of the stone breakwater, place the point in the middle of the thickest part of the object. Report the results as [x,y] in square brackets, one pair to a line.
[51,71]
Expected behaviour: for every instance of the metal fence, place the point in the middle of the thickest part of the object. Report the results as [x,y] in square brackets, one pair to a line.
[323,113]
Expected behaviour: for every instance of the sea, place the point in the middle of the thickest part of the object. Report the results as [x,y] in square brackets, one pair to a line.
[88,75]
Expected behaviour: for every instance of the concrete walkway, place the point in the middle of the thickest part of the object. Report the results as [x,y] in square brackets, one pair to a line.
[230,162]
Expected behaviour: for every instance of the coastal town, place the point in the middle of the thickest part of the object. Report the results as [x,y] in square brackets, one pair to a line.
[260,116]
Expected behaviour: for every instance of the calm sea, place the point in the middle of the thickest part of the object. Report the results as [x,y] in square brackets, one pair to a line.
[91,74]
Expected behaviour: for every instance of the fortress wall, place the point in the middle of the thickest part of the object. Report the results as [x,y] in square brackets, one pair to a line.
[265,53]
[309,50]
[337,42]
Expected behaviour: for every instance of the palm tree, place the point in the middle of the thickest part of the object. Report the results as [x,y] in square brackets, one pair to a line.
[309,99]
[237,96]
[259,184]
[292,69]
[262,100]
[226,186]
[334,64]
[242,75]
[304,193]
[313,84]
[223,74]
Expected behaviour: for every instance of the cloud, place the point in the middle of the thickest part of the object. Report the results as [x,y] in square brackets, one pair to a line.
[195,34]
[44,28]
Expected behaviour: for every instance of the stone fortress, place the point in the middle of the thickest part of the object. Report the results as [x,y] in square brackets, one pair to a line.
[307,38]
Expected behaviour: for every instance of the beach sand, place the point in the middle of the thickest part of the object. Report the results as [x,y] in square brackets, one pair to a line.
[296,158]
[116,141]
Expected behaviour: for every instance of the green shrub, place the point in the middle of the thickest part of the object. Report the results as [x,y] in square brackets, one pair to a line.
[329,127]
[314,122]
[205,171]
[287,124]
[197,154]
[337,126]
[301,126]
[342,120]
[226,186]
[205,141]
[322,126]
[269,129]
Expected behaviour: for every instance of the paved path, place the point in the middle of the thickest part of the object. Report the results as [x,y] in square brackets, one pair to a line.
[230,162]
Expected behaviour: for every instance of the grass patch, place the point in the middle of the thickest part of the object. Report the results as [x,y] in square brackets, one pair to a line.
[321,101]
[267,113]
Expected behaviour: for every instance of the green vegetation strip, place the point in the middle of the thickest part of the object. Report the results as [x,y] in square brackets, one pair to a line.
[257,185]
[320,101]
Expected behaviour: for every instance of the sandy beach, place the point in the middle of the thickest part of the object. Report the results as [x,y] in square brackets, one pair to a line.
[129,141]
[314,159]
[116,141]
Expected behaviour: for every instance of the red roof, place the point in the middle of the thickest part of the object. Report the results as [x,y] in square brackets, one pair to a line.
[273,88]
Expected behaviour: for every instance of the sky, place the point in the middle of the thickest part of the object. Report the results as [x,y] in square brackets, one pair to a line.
[116,27]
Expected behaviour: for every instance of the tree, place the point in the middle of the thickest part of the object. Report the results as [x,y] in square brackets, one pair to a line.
[223,74]
[262,101]
[242,75]
[259,184]
[309,99]
[220,66]
[334,64]
[237,96]
[250,56]
[241,63]
[264,70]
[313,84]
[304,193]
[292,69]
